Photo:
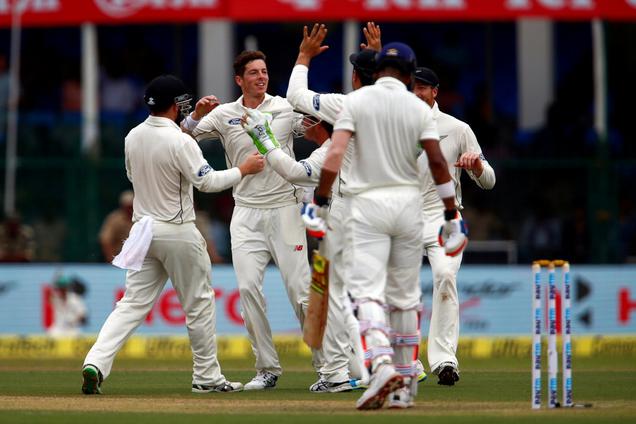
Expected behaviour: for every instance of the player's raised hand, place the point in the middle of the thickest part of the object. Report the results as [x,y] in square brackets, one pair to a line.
[373,36]
[204,106]
[470,161]
[254,164]
[311,46]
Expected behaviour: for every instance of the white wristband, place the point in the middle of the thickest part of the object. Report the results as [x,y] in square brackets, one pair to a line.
[190,123]
[446,190]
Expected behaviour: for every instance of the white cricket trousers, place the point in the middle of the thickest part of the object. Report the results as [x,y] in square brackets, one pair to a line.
[336,344]
[177,252]
[383,255]
[443,333]
[259,235]
[383,246]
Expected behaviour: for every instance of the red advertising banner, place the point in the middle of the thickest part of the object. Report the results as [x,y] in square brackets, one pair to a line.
[74,12]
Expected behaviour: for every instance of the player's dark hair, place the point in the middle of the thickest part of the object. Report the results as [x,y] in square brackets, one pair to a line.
[366,77]
[244,58]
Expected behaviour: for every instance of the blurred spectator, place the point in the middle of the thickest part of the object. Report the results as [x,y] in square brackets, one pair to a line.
[69,309]
[16,240]
[204,225]
[575,234]
[49,235]
[120,94]
[116,226]
[71,95]
[541,234]
[483,224]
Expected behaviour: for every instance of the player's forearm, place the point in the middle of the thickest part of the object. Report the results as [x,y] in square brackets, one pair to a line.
[290,170]
[219,180]
[333,161]
[486,179]
[298,87]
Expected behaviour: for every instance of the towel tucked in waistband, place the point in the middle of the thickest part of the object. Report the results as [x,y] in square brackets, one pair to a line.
[136,246]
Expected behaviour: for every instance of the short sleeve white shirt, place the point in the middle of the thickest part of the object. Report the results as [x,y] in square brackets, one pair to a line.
[388,122]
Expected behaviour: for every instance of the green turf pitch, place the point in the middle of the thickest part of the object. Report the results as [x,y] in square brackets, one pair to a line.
[490,391]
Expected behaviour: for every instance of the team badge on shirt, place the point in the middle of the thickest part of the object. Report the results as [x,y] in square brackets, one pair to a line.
[316,102]
[204,170]
[308,169]
[234,121]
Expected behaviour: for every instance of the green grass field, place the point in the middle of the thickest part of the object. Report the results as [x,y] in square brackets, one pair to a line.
[490,391]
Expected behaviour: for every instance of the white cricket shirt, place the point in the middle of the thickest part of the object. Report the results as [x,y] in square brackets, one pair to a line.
[323,106]
[266,189]
[456,138]
[163,164]
[389,122]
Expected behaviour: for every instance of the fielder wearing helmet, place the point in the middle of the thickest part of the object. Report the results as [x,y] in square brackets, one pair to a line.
[166,90]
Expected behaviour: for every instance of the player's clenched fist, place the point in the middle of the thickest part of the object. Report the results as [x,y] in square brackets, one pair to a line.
[204,106]
[253,164]
[314,217]
[470,161]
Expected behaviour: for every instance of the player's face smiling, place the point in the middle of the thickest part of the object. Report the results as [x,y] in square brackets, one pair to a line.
[425,92]
[255,79]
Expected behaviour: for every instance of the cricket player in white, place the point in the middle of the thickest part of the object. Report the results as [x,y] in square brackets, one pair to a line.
[163,164]
[383,246]
[461,151]
[266,223]
[341,324]
[327,107]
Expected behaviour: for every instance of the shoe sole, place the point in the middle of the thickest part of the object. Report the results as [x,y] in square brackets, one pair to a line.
[90,386]
[400,405]
[255,390]
[377,401]
[199,391]
[448,377]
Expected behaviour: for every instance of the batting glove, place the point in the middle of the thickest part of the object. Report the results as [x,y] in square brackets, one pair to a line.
[453,234]
[256,124]
[314,217]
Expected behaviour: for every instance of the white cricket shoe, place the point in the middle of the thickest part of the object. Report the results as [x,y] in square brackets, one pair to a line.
[384,381]
[401,399]
[324,386]
[263,380]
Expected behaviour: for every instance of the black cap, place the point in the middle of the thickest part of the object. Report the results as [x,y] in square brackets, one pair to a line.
[364,60]
[427,76]
[162,92]
[397,54]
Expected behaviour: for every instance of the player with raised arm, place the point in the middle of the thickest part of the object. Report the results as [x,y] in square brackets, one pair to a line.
[462,151]
[266,222]
[383,244]
[163,165]
[342,333]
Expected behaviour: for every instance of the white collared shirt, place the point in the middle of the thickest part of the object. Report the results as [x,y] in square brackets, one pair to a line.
[163,164]
[389,122]
[266,189]
[456,138]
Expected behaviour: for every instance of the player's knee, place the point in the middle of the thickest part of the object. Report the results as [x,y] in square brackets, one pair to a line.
[444,279]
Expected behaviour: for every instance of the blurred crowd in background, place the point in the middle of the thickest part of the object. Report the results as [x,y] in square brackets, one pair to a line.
[560,191]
